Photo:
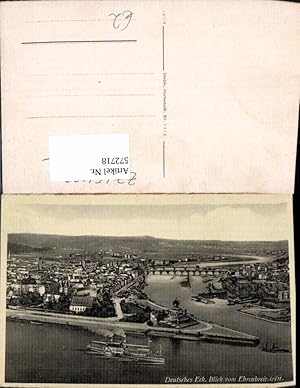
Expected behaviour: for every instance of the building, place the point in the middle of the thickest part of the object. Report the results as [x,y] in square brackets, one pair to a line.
[79,304]
[27,285]
[82,261]
[283,295]
[40,264]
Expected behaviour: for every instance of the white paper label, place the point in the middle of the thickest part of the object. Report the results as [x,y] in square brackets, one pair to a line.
[89,157]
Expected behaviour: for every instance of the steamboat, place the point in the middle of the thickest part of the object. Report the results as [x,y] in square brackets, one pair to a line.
[117,348]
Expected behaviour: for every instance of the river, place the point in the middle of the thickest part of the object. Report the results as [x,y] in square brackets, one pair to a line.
[54,354]
[164,288]
[245,259]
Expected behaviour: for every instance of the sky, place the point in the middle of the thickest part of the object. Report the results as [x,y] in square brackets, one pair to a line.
[177,217]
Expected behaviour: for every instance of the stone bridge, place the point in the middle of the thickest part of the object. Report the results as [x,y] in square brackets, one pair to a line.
[183,271]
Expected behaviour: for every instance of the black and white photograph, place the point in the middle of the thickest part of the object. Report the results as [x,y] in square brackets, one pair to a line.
[148,289]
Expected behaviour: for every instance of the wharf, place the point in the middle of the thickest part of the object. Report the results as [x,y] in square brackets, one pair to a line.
[203,331]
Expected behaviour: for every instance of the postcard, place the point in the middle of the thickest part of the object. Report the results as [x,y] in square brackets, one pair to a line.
[147,289]
[206,92]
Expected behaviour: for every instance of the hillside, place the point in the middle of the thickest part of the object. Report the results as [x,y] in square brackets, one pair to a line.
[141,244]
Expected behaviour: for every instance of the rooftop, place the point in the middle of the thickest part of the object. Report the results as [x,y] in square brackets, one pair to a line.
[82,301]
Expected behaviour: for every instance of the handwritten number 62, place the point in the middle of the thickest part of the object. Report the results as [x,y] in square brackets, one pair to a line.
[119,21]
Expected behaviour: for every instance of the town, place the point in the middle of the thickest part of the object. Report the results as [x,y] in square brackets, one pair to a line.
[108,284]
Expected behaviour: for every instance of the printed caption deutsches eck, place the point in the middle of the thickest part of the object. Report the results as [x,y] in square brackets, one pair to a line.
[223,380]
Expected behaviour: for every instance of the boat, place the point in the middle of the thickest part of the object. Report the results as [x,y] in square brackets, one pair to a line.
[121,350]
[273,349]
[187,282]
[197,298]
[36,323]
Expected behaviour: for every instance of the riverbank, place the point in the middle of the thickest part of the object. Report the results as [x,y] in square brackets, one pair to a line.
[203,331]
[255,314]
